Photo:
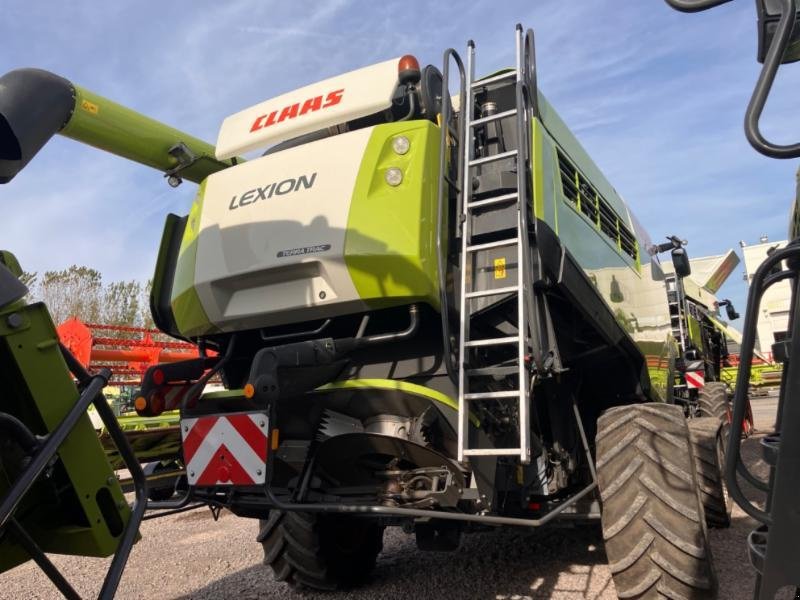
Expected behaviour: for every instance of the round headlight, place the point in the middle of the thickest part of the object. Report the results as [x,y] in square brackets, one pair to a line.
[400,144]
[394,176]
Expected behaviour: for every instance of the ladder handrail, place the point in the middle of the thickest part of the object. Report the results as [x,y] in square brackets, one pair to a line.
[444,167]
[467,152]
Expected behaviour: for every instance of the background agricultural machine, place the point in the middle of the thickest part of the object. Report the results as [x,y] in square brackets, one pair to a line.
[773,548]
[127,352]
[699,384]
[419,313]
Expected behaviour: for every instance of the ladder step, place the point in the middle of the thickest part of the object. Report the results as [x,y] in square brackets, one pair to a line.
[491,451]
[494,117]
[497,244]
[513,339]
[491,201]
[488,371]
[494,292]
[501,77]
[492,395]
[492,158]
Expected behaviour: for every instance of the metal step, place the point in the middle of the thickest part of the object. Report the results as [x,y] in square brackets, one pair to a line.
[494,117]
[513,339]
[495,292]
[492,201]
[492,395]
[495,79]
[491,451]
[489,371]
[497,244]
[494,157]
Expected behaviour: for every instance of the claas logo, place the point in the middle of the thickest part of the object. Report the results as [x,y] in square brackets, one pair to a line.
[298,109]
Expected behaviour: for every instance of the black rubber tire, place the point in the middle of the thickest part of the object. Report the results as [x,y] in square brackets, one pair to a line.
[708,448]
[321,552]
[712,401]
[653,525]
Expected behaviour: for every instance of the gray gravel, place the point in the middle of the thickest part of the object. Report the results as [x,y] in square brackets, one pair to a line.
[191,556]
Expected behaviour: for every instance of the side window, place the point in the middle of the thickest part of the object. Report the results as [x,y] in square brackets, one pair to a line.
[586,200]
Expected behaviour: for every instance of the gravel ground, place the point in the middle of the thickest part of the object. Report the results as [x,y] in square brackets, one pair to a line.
[191,556]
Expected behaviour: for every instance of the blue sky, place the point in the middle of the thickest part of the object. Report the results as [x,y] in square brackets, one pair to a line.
[656,97]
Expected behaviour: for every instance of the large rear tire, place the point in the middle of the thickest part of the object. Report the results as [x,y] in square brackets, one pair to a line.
[653,523]
[321,552]
[712,401]
[708,447]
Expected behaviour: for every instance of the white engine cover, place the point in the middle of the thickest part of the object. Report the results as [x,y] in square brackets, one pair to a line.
[336,100]
[272,235]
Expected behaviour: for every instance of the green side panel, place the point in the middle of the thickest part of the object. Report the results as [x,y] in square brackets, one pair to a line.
[104,124]
[544,176]
[390,244]
[80,509]
[190,316]
[398,386]
[695,331]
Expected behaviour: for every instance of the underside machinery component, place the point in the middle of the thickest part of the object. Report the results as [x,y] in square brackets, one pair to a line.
[653,526]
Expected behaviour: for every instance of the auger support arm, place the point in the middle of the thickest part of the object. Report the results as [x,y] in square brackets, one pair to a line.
[37,104]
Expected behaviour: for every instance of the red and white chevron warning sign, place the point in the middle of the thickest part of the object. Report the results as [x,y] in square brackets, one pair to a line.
[228,449]
[695,379]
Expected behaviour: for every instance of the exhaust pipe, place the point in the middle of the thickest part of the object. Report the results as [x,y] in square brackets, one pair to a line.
[37,104]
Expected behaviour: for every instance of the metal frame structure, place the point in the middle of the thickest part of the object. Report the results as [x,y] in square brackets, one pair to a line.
[772,546]
[91,387]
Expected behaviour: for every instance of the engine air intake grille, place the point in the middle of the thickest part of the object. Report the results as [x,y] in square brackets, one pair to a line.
[587,201]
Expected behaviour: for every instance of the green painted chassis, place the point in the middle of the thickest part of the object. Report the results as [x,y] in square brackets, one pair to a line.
[78,506]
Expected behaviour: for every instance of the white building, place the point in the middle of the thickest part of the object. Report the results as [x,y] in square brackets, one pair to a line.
[773,316]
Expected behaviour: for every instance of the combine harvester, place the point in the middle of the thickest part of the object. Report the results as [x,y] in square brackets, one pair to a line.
[427,314]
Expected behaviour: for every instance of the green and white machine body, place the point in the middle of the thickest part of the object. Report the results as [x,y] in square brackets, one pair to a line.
[316,230]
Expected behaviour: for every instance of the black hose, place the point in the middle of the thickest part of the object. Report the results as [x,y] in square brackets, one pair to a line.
[12,427]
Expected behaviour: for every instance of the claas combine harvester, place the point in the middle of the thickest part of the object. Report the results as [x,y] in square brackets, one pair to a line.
[428,307]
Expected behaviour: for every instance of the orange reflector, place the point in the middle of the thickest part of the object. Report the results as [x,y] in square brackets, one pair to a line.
[275,439]
[158,376]
[140,403]
[249,391]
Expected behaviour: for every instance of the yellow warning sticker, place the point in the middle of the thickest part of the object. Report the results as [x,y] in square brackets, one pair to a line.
[499,268]
[90,107]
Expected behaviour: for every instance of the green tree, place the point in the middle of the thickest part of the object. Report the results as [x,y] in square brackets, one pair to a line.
[76,291]
[120,303]
[145,317]
[29,279]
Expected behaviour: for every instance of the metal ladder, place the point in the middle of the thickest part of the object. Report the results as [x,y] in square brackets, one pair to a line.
[677,308]
[521,198]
